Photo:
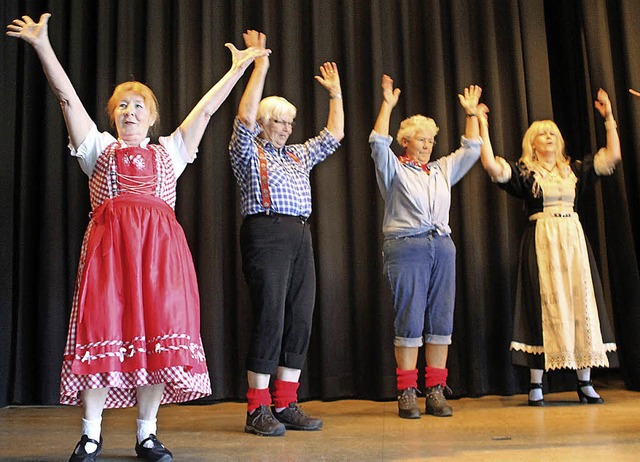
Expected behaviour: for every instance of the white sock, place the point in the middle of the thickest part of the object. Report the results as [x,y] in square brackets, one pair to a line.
[92,428]
[535,376]
[535,394]
[585,375]
[146,428]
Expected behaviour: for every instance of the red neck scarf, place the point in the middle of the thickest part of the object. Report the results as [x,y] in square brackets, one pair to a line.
[405,159]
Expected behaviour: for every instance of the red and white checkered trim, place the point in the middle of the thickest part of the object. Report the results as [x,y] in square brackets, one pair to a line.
[180,385]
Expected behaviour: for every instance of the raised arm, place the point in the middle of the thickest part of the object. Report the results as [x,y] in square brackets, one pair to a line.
[613,153]
[487,158]
[469,102]
[36,34]
[330,80]
[194,125]
[248,108]
[389,100]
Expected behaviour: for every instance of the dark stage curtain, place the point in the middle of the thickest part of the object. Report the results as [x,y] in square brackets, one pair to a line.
[534,59]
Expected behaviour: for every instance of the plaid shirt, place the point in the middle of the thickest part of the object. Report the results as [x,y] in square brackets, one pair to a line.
[288,179]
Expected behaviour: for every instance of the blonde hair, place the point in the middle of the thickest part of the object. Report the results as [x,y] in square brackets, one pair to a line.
[410,126]
[150,100]
[529,157]
[274,108]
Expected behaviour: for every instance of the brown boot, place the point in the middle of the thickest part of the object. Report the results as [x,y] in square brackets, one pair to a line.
[408,403]
[436,402]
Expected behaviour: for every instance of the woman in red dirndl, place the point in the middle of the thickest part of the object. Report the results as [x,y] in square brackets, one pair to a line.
[134,333]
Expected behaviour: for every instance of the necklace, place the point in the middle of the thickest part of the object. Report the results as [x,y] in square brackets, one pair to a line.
[549,169]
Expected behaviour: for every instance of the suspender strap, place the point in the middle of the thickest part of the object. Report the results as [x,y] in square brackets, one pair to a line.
[264,175]
[264,179]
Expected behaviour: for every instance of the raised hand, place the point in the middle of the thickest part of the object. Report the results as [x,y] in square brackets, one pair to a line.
[243,58]
[330,79]
[258,41]
[30,31]
[603,104]
[470,98]
[389,94]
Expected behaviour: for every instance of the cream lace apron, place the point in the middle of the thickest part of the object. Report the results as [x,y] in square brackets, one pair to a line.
[570,324]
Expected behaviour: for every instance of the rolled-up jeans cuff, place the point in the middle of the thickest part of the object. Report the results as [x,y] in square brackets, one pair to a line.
[437,339]
[407,342]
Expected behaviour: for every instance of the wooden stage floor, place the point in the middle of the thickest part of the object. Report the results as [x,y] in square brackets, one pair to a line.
[490,428]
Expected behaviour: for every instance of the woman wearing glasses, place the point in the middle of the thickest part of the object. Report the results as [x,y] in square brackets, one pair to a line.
[275,240]
[419,255]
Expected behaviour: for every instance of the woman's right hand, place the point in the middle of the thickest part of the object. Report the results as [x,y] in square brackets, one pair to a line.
[389,95]
[257,41]
[30,31]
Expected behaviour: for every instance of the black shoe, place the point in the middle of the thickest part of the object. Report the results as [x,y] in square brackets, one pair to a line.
[436,402]
[585,399]
[80,455]
[295,418]
[156,453]
[408,407]
[536,402]
[263,423]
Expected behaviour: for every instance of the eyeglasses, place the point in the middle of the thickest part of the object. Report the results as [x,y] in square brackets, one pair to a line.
[430,141]
[284,123]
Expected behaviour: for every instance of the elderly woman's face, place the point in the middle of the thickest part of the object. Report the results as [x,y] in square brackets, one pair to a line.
[132,117]
[278,130]
[419,146]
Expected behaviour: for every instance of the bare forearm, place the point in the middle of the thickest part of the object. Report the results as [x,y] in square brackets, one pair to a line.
[487,157]
[471,127]
[77,120]
[195,124]
[248,107]
[335,121]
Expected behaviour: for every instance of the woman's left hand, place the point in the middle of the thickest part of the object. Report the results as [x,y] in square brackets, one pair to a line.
[603,104]
[330,79]
[469,100]
[243,58]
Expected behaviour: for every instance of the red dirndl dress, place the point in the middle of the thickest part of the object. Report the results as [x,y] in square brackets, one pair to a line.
[135,319]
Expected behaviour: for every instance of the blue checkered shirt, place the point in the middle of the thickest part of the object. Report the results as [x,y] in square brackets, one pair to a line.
[288,180]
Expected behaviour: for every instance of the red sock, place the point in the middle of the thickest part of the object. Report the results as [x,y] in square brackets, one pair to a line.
[284,393]
[257,397]
[434,376]
[407,378]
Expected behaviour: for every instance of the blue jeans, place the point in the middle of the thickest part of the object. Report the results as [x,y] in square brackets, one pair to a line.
[422,273]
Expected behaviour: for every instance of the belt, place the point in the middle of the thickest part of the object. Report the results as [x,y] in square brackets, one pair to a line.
[300,218]
[537,216]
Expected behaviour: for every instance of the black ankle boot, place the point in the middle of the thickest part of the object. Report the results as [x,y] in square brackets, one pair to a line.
[538,402]
[585,399]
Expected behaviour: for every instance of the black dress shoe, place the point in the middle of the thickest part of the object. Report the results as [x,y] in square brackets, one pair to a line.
[536,402]
[81,455]
[585,399]
[156,453]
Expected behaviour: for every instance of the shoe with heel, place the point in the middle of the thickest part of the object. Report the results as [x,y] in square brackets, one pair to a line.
[536,402]
[584,398]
